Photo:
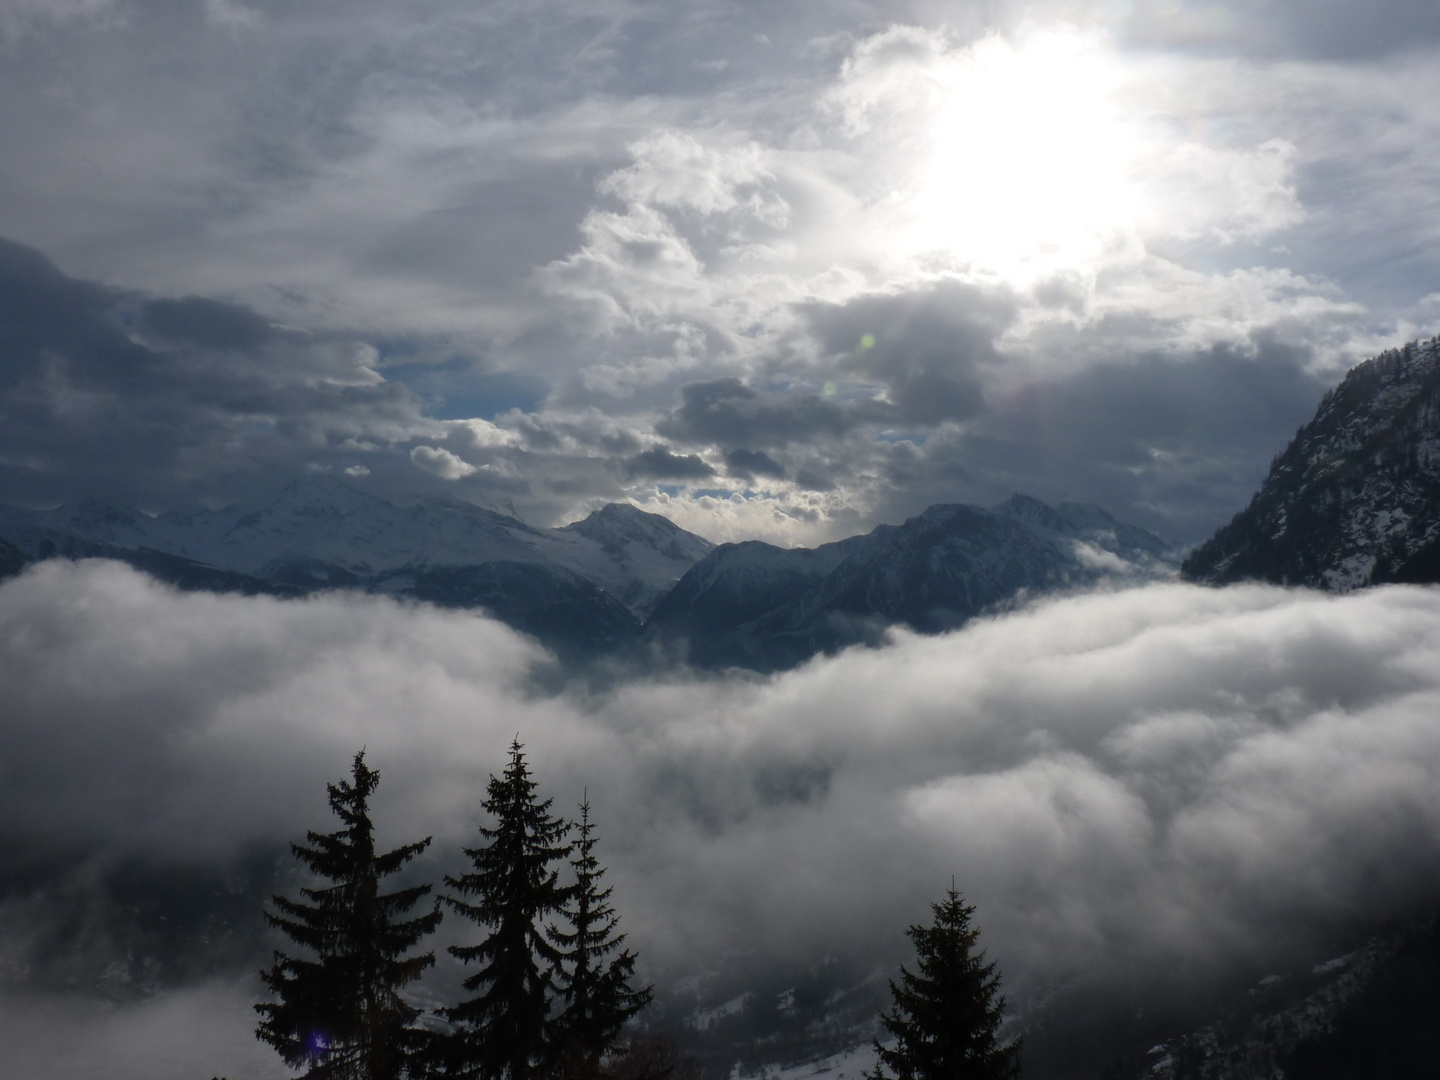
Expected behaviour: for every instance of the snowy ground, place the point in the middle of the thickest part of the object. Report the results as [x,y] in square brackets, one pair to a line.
[849,1064]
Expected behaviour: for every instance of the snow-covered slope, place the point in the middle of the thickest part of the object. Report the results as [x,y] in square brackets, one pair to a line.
[766,608]
[635,556]
[1355,498]
[319,532]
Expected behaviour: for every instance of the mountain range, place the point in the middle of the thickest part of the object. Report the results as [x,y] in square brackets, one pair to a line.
[1353,500]
[620,579]
[766,608]
[582,588]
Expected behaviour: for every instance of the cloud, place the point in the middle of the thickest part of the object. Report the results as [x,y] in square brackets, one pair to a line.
[925,345]
[674,169]
[742,462]
[1133,780]
[1329,29]
[727,412]
[324,248]
[1173,444]
[442,463]
[201,1031]
[661,464]
[195,320]
[22,18]
[159,401]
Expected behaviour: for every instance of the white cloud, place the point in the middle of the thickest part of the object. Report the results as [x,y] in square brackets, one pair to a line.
[1121,782]
[1163,773]
[674,169]
[1230,193]
[442,463]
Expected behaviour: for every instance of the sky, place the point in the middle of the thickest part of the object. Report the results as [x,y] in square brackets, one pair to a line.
[776,271]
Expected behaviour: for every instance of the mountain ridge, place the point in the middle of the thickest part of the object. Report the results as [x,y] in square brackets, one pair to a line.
[757,606]
[618,580]
[1354,499]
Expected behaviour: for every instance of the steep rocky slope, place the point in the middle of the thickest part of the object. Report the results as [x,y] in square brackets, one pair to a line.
[1355,498]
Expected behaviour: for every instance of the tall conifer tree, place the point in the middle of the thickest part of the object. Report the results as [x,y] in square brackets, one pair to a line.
[945,1015]
[504,1031]
[340,1015]
[594,981]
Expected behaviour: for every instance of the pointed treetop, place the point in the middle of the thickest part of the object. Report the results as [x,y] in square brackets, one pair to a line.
[947,1012]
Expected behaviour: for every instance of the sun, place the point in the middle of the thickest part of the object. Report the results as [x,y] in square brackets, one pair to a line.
[1024,168]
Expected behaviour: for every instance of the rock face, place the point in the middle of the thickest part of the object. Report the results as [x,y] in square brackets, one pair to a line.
[765,608]
[1355,498]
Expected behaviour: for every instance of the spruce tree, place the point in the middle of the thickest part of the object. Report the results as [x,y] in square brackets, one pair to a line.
[504,1031]
[945,1015]
[340,1015]
[595,976]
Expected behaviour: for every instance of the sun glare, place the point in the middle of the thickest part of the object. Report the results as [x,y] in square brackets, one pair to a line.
[1026,157]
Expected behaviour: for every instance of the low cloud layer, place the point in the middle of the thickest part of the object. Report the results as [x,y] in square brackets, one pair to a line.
[1160,779]
[175,1037]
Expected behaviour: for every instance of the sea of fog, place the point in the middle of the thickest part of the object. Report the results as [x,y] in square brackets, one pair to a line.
[1131,783]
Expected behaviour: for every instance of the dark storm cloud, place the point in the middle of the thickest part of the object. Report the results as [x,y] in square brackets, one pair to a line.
[727,412]
[1175,444]
[205,394]
[751,463]
[210,324]
[925,346]
[658,463]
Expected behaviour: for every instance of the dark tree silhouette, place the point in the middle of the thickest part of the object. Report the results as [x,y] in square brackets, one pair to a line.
[340,1015]
[504,1032]
[595,976]
[945,1015]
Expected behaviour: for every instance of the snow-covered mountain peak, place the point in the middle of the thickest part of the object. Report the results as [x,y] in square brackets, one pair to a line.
[619,524]
[635,555]
[318,531]
[102,520]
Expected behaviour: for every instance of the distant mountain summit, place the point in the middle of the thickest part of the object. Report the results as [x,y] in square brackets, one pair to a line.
[581,589]
[1355,498]
[619,578]
[644,553]
[757,606]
